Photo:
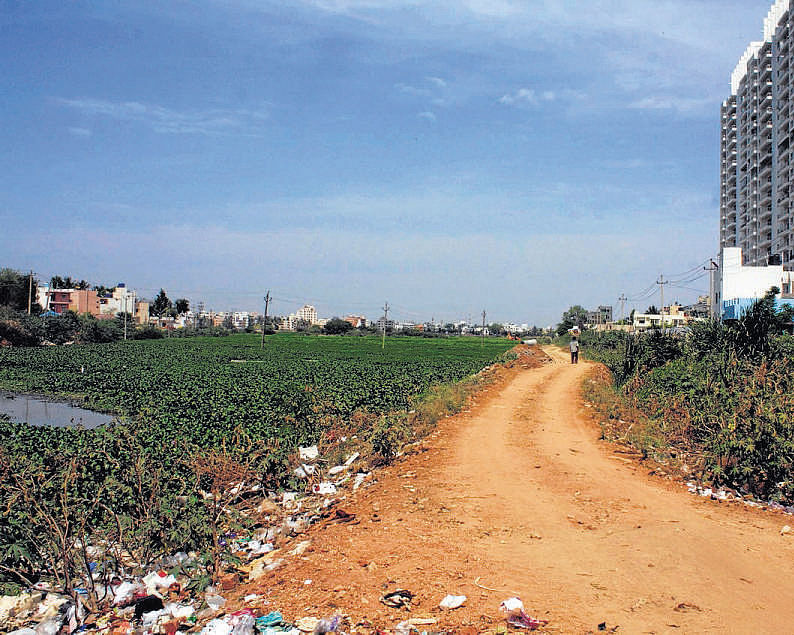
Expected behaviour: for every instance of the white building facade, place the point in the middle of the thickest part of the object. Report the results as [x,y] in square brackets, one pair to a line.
[756,162]
[741,285]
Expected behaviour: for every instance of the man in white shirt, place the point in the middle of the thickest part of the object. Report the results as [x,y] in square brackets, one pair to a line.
[574,351]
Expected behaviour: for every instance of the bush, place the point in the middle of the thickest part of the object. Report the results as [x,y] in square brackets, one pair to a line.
[147,333]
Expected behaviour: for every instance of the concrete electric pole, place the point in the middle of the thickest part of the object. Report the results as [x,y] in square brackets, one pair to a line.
[264,322]
[385,319]
[661,282]
[713,266]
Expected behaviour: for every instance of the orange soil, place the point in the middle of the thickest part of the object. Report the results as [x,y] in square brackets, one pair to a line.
[518,495]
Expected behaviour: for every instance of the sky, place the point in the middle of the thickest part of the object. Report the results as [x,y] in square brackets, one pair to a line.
[446,157]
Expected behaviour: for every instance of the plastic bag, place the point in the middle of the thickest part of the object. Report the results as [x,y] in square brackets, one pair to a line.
[452,601]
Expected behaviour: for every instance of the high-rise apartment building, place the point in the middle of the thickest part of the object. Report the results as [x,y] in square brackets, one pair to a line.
[756,164]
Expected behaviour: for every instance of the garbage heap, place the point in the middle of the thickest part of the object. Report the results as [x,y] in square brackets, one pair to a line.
[180,591]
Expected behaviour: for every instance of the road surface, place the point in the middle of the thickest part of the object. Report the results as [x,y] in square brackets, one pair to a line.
[518,496]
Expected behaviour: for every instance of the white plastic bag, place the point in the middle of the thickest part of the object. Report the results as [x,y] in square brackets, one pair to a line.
[452,601]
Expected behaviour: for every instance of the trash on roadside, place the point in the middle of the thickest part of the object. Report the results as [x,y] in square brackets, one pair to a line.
[307,624]
[300,548]
[404,628]
[147,605]
[452,601]
[214,601]
[349,461]
[274,618]
[511,605]
[324,488]
[398,599]
[359,480]
[304,470]
[515,615]
[337,469]
[785,530]
[216,627]
[328,625]
[157,580]
[309,453]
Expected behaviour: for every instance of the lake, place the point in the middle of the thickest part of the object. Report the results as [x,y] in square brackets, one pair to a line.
[38,411]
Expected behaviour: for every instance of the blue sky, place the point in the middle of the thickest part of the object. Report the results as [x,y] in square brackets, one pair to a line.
[442,156]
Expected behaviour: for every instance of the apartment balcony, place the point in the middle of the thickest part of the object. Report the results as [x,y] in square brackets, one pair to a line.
[766,115]
[765,145]
[765,198]
[765,172]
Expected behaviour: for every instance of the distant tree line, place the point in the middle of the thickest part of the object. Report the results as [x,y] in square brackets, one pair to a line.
[18,327]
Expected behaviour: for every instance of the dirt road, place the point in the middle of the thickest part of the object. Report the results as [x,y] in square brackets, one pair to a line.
[520,496]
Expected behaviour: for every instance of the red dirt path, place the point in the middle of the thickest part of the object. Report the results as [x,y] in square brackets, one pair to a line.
[519,495]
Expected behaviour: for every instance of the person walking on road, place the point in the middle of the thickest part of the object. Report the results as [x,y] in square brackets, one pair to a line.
[574,351]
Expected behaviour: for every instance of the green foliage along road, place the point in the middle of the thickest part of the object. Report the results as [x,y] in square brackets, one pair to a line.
[721,395]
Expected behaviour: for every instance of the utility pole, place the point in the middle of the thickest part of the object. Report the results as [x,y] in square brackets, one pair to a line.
[264,322]
[622,299]
[30,291]
[385,319]
[713,266]
[482,341]
[661,282]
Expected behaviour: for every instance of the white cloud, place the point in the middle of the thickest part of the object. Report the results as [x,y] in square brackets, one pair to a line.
[437,81]
[527,96]
[686,105]
[213,121]
[413,90]
[430,116]
[79,132]
[521,96]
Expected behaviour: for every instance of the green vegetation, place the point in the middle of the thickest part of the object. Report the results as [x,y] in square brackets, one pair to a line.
[721,396]
[198,414]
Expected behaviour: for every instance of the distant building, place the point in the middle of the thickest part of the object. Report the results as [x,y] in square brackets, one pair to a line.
[307,313]
[740,285]
[241,320]
[61,300]
[383,323]
[356,321]
[602,315]
[286,322]
[756,212]
[122,300]
[142,312]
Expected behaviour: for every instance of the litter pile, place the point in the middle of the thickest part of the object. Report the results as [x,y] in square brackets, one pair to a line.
[727,494]
[172,594]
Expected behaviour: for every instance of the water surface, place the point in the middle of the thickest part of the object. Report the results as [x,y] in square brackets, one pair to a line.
[38,411]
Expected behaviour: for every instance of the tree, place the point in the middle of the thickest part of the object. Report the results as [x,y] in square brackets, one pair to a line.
[495,328]
[56,282]
[182,306]
[574,316]
[102,290]
[15,289]
[337,326]
[652,310]
[161,304]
